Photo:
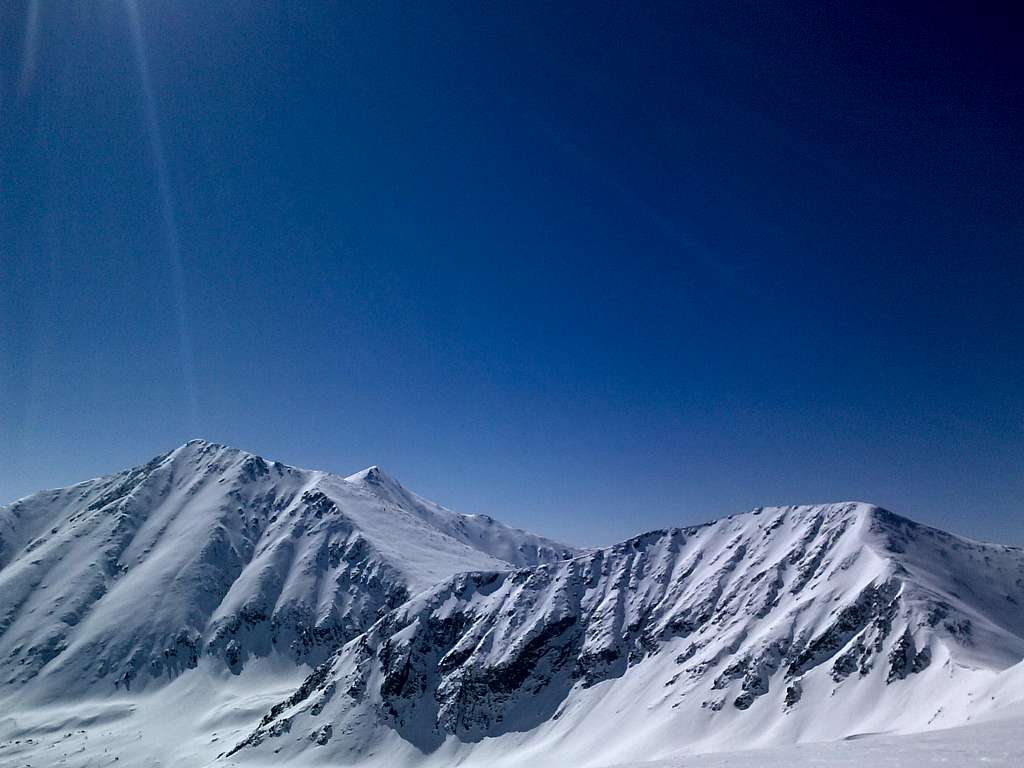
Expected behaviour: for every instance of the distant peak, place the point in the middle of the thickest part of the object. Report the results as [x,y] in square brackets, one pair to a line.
[373,475]
[201,448]
[837,508]
[199,443]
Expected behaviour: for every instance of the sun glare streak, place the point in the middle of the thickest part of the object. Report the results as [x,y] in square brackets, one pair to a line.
[167,212]
[28,60]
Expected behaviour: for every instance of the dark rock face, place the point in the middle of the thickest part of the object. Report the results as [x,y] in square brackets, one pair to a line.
[873,610]
[322,735]
[905,658]
[793,693]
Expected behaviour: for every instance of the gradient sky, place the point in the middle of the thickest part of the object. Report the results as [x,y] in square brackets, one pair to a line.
[593,269]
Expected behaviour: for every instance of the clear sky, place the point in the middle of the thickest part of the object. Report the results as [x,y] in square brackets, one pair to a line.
[590,268]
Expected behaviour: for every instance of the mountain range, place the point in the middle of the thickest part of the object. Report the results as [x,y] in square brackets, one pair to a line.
[302,617]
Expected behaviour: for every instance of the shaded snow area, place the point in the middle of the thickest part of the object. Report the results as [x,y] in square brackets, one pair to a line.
[215,608]
[991,745]
[188,722]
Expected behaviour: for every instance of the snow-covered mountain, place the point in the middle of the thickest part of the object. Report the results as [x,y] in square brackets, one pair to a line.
[778,626]
[215,608]
[128,580]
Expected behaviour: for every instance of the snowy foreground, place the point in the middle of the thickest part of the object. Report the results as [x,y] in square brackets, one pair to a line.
[187,725]
[996,744]
[213,608]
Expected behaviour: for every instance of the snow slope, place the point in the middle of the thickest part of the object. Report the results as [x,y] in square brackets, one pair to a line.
[165,727]
[128,580]
[781,626]
[994,744]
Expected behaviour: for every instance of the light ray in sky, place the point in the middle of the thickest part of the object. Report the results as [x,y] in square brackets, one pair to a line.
[28,60]
[167,212]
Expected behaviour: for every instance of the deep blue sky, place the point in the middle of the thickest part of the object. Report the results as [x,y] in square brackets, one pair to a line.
[592,269]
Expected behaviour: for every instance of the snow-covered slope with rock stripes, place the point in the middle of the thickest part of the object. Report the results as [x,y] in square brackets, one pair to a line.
[127,580]
[778,626]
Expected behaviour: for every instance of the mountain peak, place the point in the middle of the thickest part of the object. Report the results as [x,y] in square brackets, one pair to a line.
[252,558]
[201,443]
[200,446]
[373,475]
